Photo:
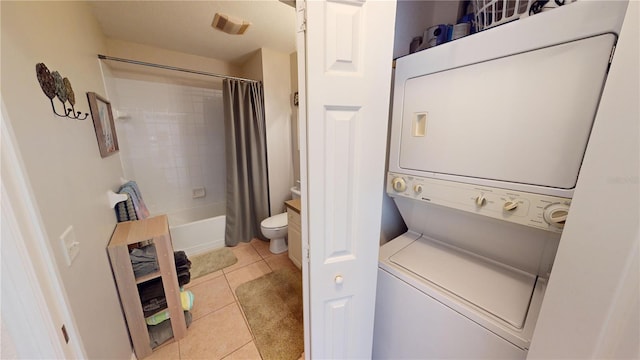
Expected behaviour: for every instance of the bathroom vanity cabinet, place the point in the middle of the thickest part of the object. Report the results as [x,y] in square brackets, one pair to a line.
[153,230]
[294,231]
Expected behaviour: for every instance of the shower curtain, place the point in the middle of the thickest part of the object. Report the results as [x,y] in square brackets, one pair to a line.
[246,149]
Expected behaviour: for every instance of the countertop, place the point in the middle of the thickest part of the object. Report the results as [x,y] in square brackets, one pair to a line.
[294,205]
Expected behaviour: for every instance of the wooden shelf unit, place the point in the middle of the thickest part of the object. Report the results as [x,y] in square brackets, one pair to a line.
[155,229]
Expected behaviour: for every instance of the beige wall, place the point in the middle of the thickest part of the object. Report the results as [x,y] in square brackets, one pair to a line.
[151,54]
[413,17]
[277,99]
[68,177]
[272,67]
[445,12]
[252,68]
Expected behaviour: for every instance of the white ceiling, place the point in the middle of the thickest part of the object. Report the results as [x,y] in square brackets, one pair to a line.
[185,26]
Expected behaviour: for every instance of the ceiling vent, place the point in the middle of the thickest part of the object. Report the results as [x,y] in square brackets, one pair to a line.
[229,24]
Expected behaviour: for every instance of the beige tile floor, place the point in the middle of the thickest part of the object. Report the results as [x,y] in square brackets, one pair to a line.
[219,329]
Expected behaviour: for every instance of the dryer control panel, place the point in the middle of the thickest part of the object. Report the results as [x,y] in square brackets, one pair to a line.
[535,210]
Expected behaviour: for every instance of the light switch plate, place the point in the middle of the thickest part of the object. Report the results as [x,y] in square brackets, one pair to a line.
[71,247]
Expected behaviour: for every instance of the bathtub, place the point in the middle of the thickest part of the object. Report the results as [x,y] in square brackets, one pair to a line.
[197,236]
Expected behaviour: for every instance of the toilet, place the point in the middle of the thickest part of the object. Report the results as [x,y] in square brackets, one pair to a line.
[275,227]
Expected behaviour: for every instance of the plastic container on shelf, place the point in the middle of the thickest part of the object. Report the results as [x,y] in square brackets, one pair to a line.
[490,13]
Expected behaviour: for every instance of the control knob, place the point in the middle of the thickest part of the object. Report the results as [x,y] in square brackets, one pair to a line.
[510,205]
[398,184]
[417,188]
[556,214]
[481,200]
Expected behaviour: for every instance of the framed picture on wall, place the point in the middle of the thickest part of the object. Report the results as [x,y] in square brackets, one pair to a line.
[103,124]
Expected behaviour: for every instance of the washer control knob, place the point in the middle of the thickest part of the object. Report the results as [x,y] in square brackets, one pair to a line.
[556,214]
[399,185]
[510,205]
[417,188]
[481,200]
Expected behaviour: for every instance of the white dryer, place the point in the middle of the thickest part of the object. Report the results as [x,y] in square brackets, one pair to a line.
[487,139]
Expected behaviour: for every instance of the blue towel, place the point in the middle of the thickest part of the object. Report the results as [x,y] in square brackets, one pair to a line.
[132,189]
[134,207]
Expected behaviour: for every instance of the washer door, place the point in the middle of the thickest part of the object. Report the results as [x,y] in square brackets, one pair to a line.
[500,290]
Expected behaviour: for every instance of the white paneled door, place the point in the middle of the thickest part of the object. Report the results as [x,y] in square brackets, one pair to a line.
[348,75]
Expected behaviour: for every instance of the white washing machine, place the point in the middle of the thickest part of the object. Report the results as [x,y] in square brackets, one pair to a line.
[487,139]
[459,284]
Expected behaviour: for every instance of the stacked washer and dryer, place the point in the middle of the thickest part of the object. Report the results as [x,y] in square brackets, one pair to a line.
[487,139]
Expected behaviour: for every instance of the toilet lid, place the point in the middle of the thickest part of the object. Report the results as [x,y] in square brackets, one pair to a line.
[274,222]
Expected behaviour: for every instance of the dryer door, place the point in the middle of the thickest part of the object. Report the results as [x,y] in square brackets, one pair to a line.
[524,118]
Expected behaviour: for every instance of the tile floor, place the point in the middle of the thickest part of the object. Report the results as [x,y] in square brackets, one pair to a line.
[219,329]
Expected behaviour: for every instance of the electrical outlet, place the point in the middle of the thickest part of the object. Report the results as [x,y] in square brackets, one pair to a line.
[70,246]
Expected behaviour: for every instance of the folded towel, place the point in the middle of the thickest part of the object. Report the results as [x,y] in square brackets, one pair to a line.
[183,264]
[153,306]
[138,203]
[157,318]
[144,260]
[186,299]
[125,211]
[152,295]
[181,259]
[134,207]
[184,278]
[162,332]
[150,289]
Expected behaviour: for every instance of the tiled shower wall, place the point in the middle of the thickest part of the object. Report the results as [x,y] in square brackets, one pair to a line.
[171,141]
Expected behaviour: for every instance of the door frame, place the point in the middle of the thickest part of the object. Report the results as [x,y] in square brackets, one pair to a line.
[301,26]
[27,249]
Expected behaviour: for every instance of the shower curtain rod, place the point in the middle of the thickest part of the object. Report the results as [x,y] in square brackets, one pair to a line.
[167,67]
